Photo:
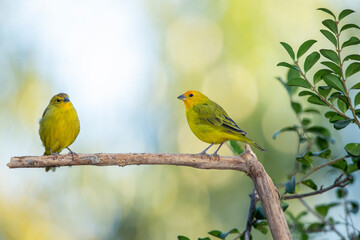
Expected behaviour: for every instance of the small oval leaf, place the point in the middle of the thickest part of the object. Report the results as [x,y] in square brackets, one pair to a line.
[331,25]
[285,64]
[330,54]
[353,149]
[289,49]
[352,41]
[334,81]
[299,82]
[329,36]
[345,13]
[310,183]
[304,48]
[355,57]
[316,100]
[333,67]
[357,99]
[327,11]
[311,60]
[350,25]
[352,69]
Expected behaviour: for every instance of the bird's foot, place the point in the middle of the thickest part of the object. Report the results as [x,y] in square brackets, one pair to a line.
[215,156]
[72,153]
[203,153]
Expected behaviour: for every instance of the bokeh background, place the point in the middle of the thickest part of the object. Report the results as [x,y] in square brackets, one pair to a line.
[123,63]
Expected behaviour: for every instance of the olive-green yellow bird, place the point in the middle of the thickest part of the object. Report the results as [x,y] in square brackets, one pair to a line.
[210,123]
[59,125]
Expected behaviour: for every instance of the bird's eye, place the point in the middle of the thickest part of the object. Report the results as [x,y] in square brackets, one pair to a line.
[58,100]
[191,95]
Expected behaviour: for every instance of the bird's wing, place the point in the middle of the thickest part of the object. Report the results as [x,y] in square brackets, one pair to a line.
[211,113]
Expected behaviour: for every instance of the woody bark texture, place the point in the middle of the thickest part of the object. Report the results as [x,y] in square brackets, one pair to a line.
[246,162]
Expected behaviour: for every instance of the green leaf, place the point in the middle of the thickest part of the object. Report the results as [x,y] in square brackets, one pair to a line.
[261,226]
[259,213]
[344,13]
[285,64]
[306,93]
[319,130]
[311,60]
[347,26]
[235,147]
[305,159]
[355,57]
[333,67]
[299,82]
[330,24]
[329,36]
[323,154]
[316,100]
[352,69]
[224,235]
[286,129]
[324,208]
[334,81]
[342,164]
[215,233]
[341,192]
[324,90]
[327,11]
[357,99]
[330,54]
[289,49]
[356,86]
[353,149]
[319,74]
[183,238]
[342,123]
[290,185]
[305,122]
[342,105]
[357,112]
[305,47]
[315,227]
[354,207]
[353,167]
[205,238]
[311,110]
[310,183]
[296,107]
[352,41]
[322,143]
[336,117]
[330,114]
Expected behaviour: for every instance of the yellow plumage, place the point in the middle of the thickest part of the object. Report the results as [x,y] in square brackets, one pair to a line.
[59,125]
[210,123]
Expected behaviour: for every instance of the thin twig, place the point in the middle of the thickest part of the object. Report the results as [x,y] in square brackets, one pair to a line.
[342,77]
[332,227]
[337,183]
[320,167]
[253,199]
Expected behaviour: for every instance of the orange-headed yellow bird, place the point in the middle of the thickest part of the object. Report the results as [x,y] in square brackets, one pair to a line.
[59,125]
[210,123]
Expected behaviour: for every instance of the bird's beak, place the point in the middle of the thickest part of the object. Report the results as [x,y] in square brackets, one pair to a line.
[181,97]
[66,99]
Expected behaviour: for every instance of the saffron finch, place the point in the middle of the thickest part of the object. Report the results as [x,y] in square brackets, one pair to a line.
[210,123]
[59,125]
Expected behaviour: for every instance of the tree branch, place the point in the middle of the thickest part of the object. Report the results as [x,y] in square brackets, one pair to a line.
[337,183]
[246,162]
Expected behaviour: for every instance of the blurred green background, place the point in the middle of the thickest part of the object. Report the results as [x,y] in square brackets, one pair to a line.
[123,63]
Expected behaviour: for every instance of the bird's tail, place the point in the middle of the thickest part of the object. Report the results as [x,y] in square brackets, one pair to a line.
[251,142]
